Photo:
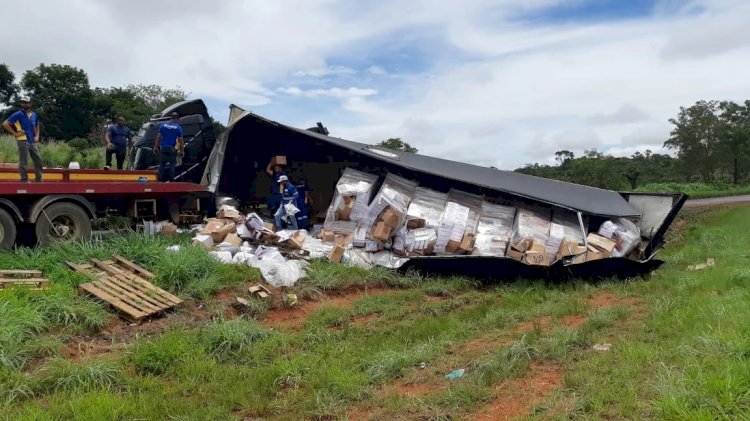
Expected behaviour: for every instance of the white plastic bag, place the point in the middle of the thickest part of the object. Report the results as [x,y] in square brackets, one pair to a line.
[290,209]
[281,274]
[221,256]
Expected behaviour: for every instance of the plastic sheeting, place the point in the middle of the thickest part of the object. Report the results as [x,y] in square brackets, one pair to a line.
[461,216]
[531,224]
[494,229]
[563,227]
[396,192]
[357,186]
[626,234]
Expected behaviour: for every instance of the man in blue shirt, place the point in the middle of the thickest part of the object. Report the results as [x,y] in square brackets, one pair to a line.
[168,145]
[289,195]
[117,140]
[24,126]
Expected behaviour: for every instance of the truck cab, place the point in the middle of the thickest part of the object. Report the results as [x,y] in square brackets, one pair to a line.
[198,133]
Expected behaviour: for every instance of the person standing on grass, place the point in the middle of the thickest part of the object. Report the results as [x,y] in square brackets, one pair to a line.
[24,126]
[168,146]
[118,140]
[289,195]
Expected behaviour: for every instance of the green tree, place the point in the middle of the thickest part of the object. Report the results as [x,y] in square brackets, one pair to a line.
[735,137]
[397,144]
[63,98]
[696,137]
[218,128]
[156,97]
[8,86]
[564,157]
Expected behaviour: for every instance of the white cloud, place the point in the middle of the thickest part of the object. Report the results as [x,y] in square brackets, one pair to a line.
[482,85]
[331,92]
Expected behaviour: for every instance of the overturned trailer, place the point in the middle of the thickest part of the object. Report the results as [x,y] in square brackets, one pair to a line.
[237,164]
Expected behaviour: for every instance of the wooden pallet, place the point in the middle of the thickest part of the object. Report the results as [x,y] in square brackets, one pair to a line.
[31,279]
[124,285]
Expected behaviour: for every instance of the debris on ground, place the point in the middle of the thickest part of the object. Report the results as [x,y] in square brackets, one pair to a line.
[455,374]
[710,262]
[126,287]
[260,291]
[29,279]
[601,347]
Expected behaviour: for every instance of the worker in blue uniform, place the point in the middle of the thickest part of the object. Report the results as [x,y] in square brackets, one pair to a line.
[275,171]
[289,196]
[24,126]
[303,203]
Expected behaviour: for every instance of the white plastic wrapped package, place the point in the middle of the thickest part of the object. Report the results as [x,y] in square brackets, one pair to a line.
[316,247]
[354,189]
[460,217]
[531,224]
[387,259]
[396,192]
[221,256]
[281,274]
[563,227]
[625,233]
[428,205]
[494,229]
[421,240]
[244,258]
[269,253]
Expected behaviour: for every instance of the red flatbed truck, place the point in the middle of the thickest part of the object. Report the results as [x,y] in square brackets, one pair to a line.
[62,207]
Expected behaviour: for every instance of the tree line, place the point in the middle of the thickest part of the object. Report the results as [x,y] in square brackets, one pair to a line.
[69,108]
[711,140]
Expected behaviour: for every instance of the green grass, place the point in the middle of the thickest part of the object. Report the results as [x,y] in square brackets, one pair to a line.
[698,190]
[682,351]
[56,154]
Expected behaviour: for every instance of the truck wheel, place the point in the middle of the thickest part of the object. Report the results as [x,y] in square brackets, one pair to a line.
[62,222]
[7,230]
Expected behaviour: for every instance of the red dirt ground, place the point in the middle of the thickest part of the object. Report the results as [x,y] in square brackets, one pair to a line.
[482,345]
[574,320]
[530,325]
[295,316]
[608,299]
[515,398]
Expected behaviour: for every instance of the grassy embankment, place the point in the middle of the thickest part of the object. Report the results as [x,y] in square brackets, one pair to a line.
[56,154]
[679,342]
[698,190]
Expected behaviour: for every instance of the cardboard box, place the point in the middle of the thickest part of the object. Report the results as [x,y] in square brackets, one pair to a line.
[570,248]
[168,228]
[327,236]
[204,240]
[382,231]
[522,245]
[391,217]
[233,239]
[336,254]
[269,226]
[213,225]
[228,212]
[373,246]
[342,240]
[536,258]
[416,223]
[219,235]
[452,246]
[514,254]
[602,243]
[467,243]
[269,237]
[536,247]
[278,160]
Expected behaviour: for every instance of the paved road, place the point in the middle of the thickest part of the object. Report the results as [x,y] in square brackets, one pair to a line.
[716,201]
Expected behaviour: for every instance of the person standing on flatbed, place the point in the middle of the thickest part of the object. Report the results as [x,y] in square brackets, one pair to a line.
[168,145]
[24,126]
[118,139]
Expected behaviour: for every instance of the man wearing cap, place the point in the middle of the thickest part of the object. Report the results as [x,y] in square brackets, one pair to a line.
[168,145]
[289,195]
[24,126]
[117,140]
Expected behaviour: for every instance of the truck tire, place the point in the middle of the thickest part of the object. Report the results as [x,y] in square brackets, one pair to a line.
[7,230]
[62,222]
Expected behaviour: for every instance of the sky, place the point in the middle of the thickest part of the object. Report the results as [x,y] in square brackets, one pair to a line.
[495,83]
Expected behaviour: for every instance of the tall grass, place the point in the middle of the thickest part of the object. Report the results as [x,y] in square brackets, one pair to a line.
[698,190]
[57,154]
[83,376]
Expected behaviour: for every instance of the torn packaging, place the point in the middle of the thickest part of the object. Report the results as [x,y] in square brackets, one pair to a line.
[373,246]
[415,223]
[467,243]
[213,225]
[219,235]
[229,212]
[337,254]
[391,217]
[204,240]
[601,243]
[296,240]
[382,232]
[233,239]
[167,228]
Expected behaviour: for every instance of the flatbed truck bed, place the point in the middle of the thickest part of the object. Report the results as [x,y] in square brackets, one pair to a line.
[61,207]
